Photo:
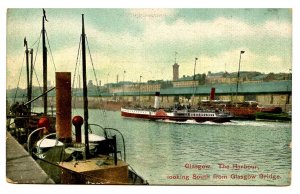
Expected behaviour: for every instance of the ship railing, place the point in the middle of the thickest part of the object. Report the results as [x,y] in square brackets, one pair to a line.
[109,132]
[45,137]
[29,149]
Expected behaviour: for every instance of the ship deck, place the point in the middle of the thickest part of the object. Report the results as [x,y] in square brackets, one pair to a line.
[97,170]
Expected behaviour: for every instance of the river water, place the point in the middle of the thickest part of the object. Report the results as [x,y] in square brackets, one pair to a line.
[235,153]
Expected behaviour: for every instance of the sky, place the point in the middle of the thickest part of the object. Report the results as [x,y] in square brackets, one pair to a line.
[143,42]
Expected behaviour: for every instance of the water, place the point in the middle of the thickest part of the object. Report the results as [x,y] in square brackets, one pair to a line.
[168,153]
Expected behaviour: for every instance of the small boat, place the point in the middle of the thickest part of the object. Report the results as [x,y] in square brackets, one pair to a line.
[246,110]
[270,116]
[21,120]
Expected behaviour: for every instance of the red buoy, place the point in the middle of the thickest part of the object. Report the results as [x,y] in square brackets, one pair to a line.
[44,122]
[77,122]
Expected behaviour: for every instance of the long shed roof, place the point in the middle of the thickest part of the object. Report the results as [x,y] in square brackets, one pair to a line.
[243,88]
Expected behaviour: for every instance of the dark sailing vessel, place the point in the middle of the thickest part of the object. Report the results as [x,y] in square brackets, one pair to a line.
[21,121]
[86,158]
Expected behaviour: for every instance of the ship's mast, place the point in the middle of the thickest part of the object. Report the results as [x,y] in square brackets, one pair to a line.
[30,80]
[29,74]
[194,80]
[85,100]
[238,76]
[44,63]
[27,65]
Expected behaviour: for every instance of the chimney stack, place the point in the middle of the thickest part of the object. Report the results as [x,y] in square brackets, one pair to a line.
[212,93]
[63,106]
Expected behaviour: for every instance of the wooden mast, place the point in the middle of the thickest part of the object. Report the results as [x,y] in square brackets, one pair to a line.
[194,79]
[28,73]
[238,77]
[85,99]
[30,81]
[44,63]
[27,66]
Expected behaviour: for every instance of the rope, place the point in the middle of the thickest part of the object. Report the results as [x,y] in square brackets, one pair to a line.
[76,63]
[51,99]
[37,80]
[37,49]
[98,90]
[19,79]
[38,40]
[50,51]
[75,71]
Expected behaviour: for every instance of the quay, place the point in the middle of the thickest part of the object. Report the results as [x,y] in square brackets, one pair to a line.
[21,168]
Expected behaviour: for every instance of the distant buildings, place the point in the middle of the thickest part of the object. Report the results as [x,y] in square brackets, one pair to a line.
[123,87]
[90,83]
[189,81]
[185,83]
[267,89]
[230,78]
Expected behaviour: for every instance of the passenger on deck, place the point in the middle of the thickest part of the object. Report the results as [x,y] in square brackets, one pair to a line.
[19,109]
[23,109]
[13,108]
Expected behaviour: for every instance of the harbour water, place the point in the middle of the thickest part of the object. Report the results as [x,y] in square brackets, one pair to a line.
[235,153]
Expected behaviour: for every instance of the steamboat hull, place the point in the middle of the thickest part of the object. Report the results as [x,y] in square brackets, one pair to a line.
[136,115]
[211,119]
[144,114]
[179,119]
[162,115]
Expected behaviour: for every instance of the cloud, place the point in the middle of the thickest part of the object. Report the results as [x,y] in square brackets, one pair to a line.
[229,61]
[274,28]
[217,28]
[277,64]
[274,59]
[151,14]
[225,61]
[148,52]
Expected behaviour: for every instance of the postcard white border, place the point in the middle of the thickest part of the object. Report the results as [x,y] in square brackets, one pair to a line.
[294,4]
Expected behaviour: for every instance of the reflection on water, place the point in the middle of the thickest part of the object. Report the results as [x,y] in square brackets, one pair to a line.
[162,152]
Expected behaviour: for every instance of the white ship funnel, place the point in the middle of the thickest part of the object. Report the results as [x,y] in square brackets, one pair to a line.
[156,100]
